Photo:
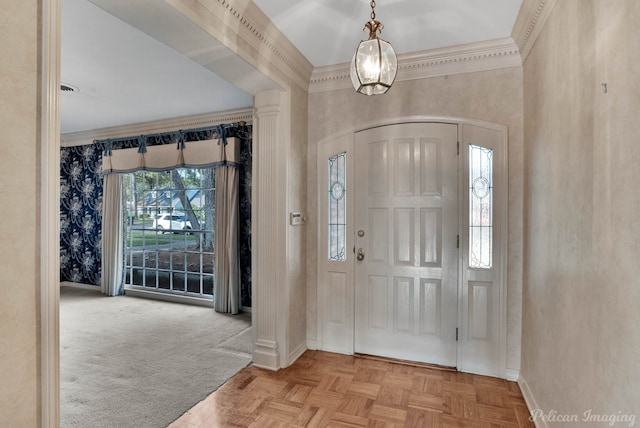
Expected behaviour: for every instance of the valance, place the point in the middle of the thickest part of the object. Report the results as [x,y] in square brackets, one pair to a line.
[194,148]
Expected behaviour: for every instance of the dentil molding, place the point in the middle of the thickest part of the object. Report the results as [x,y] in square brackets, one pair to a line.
[531,19]
[473,57]
[244,19]
[242,27]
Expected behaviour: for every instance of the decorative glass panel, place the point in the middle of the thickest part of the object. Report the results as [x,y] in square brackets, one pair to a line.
[480,207]
[337,207]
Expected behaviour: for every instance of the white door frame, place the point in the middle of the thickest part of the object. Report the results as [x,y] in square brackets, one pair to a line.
[344,141]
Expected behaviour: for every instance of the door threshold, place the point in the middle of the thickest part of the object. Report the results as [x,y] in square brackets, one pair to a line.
[406,362]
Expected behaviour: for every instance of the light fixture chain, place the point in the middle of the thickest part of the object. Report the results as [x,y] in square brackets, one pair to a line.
[373,12]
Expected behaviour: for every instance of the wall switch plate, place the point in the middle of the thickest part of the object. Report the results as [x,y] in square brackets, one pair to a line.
[296,219]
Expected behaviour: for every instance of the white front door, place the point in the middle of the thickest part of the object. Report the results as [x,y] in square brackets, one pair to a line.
[406,227]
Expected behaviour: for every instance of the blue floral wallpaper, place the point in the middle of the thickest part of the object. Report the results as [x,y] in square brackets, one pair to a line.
[244,235]
[80,214]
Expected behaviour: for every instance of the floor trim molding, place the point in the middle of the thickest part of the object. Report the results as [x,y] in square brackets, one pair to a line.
[531,402]
[297,352]
[512,375]
[168,297]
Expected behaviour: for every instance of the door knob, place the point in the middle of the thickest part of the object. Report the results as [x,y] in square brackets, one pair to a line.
[360,255]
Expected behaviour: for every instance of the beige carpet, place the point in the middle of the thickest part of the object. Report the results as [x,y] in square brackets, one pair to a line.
[132,362]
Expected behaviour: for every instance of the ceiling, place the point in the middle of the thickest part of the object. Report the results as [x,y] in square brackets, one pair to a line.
[123,56]
[328,31]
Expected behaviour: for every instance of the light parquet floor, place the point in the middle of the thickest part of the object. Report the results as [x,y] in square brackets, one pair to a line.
[322,389]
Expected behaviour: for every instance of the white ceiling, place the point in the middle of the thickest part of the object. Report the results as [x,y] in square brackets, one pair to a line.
[328,31]
[123,55]
[125,76]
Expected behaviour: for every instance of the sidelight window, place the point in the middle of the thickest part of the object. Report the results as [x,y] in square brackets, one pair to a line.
[480,207]
[337,207]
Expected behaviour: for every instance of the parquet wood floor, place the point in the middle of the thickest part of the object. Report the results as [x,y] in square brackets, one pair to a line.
[322,389]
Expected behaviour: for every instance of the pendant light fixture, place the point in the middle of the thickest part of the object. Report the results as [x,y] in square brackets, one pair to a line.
[374,64]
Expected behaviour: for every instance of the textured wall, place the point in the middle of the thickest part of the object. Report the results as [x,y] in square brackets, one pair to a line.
[19,232]
[297,236]
[493,96]
[581,346]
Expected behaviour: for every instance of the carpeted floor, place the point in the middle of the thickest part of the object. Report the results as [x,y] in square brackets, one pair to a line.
[132,362]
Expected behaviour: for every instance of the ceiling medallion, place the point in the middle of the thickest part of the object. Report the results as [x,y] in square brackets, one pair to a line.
[374,64]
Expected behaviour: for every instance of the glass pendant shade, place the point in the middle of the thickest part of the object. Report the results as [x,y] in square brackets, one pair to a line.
[374,67]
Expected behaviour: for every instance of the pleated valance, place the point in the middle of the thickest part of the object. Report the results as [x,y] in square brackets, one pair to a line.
[195,148]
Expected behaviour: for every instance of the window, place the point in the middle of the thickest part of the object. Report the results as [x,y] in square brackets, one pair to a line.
[480,207]
[169,233]
[337,207]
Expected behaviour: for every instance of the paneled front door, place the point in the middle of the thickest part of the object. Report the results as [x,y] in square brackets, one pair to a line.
[406,226]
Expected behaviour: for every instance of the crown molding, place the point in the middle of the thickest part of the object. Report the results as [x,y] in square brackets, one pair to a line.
[197,121]
[472,57]
[242,27]
[529,23]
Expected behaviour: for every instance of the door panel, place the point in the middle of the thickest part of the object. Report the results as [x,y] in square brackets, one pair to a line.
[406,211]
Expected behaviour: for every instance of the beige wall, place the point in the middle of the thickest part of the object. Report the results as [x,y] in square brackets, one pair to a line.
[19,182]
[493,96]
[297,236]
[581,321]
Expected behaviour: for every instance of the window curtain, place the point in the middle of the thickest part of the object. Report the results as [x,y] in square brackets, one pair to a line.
[112,236]
[227,267]
[185,149]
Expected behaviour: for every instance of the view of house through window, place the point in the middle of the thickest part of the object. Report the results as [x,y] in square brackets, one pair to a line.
[169,230]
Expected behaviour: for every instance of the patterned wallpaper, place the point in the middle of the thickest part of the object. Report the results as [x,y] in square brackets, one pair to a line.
[80,214]
[244,235]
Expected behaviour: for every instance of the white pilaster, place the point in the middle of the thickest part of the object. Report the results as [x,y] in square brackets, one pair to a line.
[269,214]
[49,225]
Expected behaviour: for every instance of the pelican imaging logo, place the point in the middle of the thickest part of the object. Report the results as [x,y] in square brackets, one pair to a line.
[588,416]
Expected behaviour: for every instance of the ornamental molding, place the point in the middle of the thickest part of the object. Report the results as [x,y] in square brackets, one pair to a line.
[242,27]
[531,19]
[197,121]
[473,57]
[291,60]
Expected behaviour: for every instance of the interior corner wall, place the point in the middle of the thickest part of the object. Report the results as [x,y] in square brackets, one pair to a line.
[581,323]
[20,195]
[494,96]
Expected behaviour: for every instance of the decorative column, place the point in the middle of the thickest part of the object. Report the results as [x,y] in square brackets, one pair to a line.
[269,214]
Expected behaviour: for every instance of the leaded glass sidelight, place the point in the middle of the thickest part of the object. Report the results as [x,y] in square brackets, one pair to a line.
[480,207]
[337,207]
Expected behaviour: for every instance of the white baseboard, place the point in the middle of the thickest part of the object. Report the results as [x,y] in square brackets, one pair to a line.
[531,402]
[80,285]
[513,375]
[166,297]
[312,344]
[297,352]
